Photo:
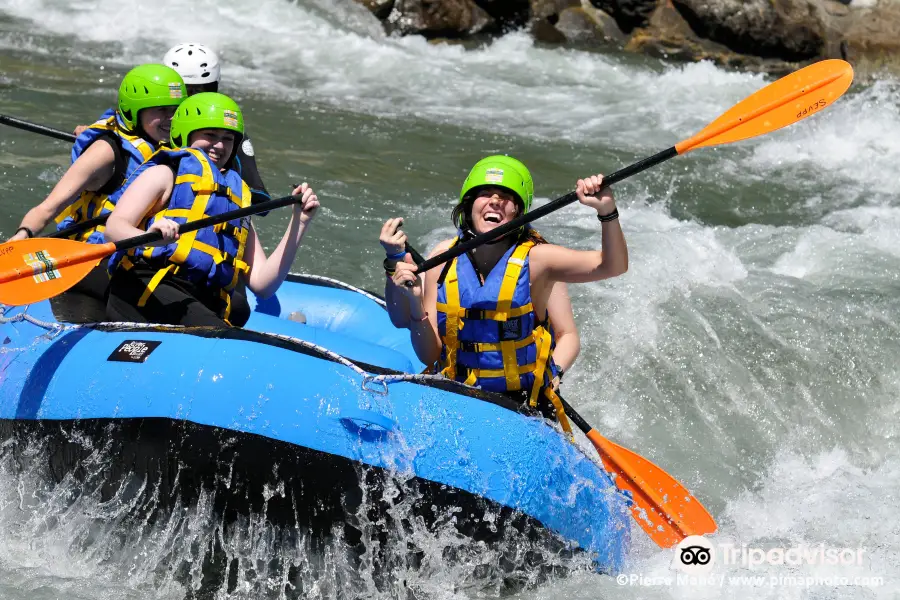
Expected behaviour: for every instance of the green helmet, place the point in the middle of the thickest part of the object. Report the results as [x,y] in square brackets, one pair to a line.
[206,110]
[146,86]
[501,171]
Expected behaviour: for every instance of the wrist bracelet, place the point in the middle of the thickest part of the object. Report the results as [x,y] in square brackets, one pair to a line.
[398,256]
[610,217]
[27,231]
[390,265]
[425,317]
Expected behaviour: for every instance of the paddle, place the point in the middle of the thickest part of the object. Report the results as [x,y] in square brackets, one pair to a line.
[66,137]
[662,506]
[35,128]
[39,268]
[781,103]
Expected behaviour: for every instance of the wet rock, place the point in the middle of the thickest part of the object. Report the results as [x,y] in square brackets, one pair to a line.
[769,35]
[629,14]
[379,8]
[589,25]
[787,29]
[872,37]
[437,18]
[507,14]
[551,9]
[668,35]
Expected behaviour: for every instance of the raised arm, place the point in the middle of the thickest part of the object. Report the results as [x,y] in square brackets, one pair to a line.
[267,273]
[556,263]
[420,303]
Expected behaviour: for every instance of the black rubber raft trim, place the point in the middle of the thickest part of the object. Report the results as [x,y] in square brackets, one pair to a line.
[180,460]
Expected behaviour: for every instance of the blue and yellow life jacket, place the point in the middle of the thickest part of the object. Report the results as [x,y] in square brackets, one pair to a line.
[94,204]
[492,337]
[212,257]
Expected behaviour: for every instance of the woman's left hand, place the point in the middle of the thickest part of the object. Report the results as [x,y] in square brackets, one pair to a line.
[309,205]
[590,192]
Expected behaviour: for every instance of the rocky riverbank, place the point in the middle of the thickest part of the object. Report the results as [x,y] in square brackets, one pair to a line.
[769,35]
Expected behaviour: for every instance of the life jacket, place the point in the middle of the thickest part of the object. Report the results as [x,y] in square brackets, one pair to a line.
[212,257]
[94,204]
[492,337]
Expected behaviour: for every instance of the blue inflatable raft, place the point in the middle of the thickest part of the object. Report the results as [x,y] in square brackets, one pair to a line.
[316,411]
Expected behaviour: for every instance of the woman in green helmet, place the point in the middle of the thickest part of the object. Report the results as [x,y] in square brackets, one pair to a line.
[484,318]
[103,158]
[190,279]
[106,153]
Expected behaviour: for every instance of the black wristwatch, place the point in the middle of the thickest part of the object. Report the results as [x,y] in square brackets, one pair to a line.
[29,232]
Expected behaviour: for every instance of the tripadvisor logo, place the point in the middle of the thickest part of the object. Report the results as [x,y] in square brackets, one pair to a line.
[694,556]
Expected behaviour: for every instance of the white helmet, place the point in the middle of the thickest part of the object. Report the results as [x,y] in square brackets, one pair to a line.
[196,63]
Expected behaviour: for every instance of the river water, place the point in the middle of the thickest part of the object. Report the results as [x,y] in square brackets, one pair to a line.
[751,350]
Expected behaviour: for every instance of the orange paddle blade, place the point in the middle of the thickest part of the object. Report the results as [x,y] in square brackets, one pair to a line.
[39,268]
[662,506]
[781,103]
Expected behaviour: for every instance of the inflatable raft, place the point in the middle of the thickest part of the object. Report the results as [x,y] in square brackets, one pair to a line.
[315,411]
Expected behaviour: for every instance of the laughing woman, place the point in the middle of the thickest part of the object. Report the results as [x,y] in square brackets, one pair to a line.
[483,318]
[105,155]
[190,279]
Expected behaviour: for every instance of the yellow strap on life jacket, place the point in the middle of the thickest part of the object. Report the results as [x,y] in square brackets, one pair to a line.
[495,346]
[154,282]
[493,315]
[560,412]
[451,338]
[504,303]
[204,186]
[491,373]
[511,370]
[241,266]
[543,341]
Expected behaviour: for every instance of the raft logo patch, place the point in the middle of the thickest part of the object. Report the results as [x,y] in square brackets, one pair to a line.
[133,351]
[230,118]
[42,265]
[174,90]
[494,175]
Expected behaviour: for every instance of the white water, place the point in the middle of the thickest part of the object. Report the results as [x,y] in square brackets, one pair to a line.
[751,350]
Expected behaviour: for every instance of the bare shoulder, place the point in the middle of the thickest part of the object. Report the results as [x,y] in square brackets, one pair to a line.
[542,252]
[441,247]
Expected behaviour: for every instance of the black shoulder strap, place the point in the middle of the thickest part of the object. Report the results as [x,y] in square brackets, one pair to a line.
[447,264]
[120,164]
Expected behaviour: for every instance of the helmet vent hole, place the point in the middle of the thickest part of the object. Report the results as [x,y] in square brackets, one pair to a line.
[205,74]
[190,52]
[146,91]
[203,65]
[174,64]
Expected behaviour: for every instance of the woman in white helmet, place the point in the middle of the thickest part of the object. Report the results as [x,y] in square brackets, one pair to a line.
[199,66]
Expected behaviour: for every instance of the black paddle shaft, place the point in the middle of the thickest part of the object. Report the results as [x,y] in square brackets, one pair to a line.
[79,227]
[548,208]
[65,137]
[155,236]
[35,128]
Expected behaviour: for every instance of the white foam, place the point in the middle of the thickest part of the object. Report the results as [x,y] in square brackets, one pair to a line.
[338,54]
